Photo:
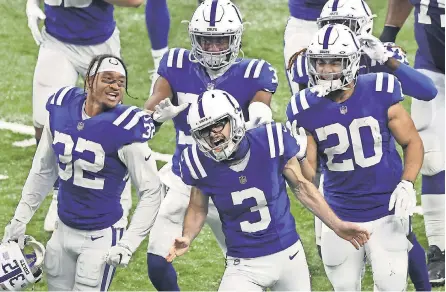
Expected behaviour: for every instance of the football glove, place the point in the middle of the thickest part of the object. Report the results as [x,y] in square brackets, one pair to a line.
[301,139]
[165,110]
[15,231]
[374,48]
[118,255]
[35,14]
[403,199]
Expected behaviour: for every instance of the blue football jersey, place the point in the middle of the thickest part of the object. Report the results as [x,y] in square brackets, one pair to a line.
[306,9]
[252,202]
[429,34]
[360,163]
[90,171]
[188,80]
[79,22]
[299,67]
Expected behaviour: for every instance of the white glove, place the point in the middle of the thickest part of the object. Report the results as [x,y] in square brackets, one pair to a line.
[165,110]
[34,14]
[320,90]
[118,255]
[15,230]
[301,139]
[374,48]
[403,199]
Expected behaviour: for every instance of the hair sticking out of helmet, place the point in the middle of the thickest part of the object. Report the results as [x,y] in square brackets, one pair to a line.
[215,31]
[333,58]
[217,124]
[355,14]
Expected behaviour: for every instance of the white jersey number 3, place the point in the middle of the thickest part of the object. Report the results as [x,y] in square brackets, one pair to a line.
[344,144]
[80,165]
[261,207]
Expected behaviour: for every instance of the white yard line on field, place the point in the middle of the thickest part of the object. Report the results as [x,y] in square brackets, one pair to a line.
[29,130]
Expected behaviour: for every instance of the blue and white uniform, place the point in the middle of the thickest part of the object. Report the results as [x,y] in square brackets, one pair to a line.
[92,157]
[243,79]
[361,168]
[254,208]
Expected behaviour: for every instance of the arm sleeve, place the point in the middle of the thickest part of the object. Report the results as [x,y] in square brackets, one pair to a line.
[141,166]
[415,83]
[41,178]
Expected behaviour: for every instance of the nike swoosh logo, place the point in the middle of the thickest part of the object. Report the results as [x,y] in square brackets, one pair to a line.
[292,257]
[147,158]
[94,238]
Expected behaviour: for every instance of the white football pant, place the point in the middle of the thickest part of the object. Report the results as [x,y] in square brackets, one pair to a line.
[387,250]
[169,221]
[75,259]
[286,270]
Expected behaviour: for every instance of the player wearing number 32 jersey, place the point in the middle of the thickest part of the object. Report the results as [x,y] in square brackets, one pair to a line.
[353,130]
[244,173]
[91,142]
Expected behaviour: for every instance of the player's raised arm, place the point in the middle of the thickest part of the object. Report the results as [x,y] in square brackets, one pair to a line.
[144,175]
[126,3]
[161,91]
[310,197]
[39,183]
[397,13]
[193,222]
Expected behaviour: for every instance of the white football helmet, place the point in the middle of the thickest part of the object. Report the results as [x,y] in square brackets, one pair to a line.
[20,269]
[355,14]
[215,24]
[334,42]
[215,107]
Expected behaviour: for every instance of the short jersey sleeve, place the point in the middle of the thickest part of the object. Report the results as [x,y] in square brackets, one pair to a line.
[263,75]
[134,125]
[389,85]
[190,167]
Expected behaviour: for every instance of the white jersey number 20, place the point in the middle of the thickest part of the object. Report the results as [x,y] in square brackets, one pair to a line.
[344,144]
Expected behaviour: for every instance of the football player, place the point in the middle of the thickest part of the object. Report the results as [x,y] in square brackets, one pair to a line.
[428,117]
[377,58]
[91,142]
[244,173]
[353,130]
[215,31]
[299,30]
[75,31]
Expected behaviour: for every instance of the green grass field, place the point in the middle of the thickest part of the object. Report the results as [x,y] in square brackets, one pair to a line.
[202,267]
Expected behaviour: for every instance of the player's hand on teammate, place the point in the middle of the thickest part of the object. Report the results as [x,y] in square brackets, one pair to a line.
[118,255]
[35,14]
[179,247]
[301,139]
[403,199]
[165,110]
[15,230]
[374,48]
[352,232]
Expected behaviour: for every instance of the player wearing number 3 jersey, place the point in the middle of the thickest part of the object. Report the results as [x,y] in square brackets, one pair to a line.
[353,130]
[244,172]
[91,142]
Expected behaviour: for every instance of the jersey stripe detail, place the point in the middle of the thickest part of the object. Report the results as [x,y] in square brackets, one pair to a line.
[390,83]
[134,120]
[123,116]
[303,100]
[280,137]
[198,162]
[180,58]
[189,164]
[59,98]
[272,147]
[379,81]
[248,69]
[170,58]
[294,104]
[258,69]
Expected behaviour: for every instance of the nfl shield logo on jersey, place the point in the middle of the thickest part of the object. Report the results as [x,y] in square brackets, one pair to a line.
[210,86]
[343,109]
[242,179]
[80,126]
